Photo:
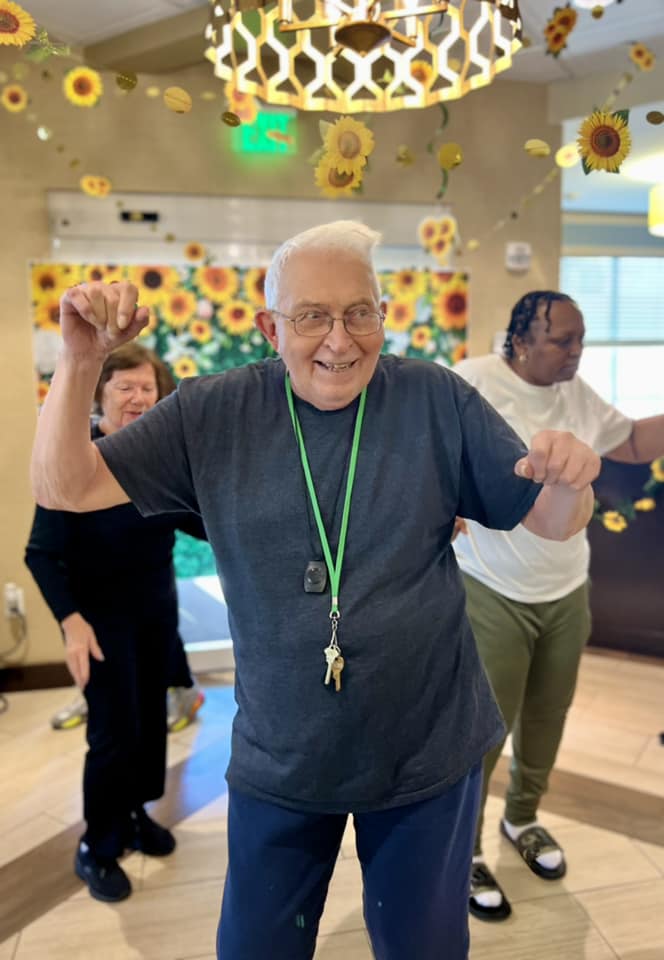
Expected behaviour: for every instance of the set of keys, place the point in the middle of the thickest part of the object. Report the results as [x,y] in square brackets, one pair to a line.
[335,664]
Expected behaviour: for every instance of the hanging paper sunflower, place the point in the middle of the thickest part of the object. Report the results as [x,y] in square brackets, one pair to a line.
[348,143]
[565,18]
[153,283]
[218,284]
[441,249]
[178,308]
[604,141]
[332,182]
[642,56]
[399,315]
[194,251]
[83,86]
[451,305]
[237,317]
[185,367]
[427,231]
[16,25]
[409,284]
[556,41]
[95,186]
[421,71]
[14,98]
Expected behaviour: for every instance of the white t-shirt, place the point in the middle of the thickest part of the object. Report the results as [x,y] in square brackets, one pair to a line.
[517,563]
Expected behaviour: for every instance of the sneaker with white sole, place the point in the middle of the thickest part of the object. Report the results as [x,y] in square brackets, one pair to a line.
[73,715]
[183,705]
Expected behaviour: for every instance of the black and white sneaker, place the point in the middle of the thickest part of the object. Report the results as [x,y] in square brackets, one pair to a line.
[105,878]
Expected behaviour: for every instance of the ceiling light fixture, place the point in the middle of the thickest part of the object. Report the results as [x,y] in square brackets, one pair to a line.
[370,55]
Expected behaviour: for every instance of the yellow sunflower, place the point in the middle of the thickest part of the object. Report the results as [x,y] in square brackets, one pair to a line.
[556,41]
[194,251]
[441,249]
[641,56]
[400,315]
[83,86]
[48,279]
[153,283]
[185,367]
[427,232]
[237,317]
[459,353]
[178,308]
[421,71]
[332,182]
[218,284]
[47,314]
[451,304]
[657,469]
[565,18]
[420,336]
[254,286]
[102,272]
[614,521]
[14,98]
[604,141]
[348,143]
[408,284]
[42,391]
[200,330]
[95,186]
[645,504]
[16,25]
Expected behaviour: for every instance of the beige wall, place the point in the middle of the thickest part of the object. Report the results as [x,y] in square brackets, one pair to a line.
[142,147]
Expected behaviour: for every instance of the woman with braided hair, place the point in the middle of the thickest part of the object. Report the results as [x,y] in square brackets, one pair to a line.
[527,598]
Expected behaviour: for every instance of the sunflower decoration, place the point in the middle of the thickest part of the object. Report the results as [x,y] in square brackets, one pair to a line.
[83,86]
[620,516]
[16,25]
[332,183]
[614,521]
[243,105]
[422,71]
[640,55]
[604,141]
[178,308]
[102,273]
[558,28]
[645,504]
[450,306]
[185,367]
[399,315]
[43,387]
[95,186]
[14,97]
[459,353]
[200,331]
[407,284]
[441,249]
[254,286]
[427,232]
[657,471]
[49,279]
[420,337]
[237,317]
[153,283]
[218,284]
[348,143]
[195,251]
[47,314]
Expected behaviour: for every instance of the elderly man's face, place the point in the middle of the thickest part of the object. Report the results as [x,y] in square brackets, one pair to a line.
[331,370]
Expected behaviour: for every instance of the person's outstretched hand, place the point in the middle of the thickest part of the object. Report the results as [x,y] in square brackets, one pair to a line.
[80,644]
[95,318]
[558,458]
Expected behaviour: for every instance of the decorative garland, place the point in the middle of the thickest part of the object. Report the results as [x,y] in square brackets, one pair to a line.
[619,518]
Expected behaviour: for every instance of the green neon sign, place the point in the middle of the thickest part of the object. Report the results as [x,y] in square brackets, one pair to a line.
[273,131]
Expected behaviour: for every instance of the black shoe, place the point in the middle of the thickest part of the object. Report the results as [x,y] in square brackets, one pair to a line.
[105,878]
[147,836]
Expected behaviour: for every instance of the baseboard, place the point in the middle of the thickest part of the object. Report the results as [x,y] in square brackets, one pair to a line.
[38,676]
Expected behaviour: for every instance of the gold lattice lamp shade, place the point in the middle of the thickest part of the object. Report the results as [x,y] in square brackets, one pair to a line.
[656,211]
[363,57]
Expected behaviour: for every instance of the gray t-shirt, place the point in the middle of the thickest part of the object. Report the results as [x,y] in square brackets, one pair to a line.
[415,712]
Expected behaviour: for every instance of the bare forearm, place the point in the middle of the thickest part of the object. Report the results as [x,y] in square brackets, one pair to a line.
[645,443]
[64,460]
[560,511]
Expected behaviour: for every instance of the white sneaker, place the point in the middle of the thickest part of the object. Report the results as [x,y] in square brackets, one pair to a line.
[71,716]
[183,705]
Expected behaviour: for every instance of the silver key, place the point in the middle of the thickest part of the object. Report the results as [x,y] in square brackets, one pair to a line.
[331,654]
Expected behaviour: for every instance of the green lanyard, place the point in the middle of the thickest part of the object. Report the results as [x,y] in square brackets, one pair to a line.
[332,653]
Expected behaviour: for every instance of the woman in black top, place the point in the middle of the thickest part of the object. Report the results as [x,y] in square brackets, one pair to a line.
[109,580]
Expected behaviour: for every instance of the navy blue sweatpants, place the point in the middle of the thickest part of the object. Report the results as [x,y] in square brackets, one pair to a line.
[415,866]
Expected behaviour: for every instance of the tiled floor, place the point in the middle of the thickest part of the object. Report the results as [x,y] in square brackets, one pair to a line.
[610,906]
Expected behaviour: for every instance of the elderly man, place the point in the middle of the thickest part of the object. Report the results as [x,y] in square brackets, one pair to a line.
[329,480]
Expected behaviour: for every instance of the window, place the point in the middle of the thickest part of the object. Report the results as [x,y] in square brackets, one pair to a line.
[622,300]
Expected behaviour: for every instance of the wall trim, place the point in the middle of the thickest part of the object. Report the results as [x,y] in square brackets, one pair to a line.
[37,676]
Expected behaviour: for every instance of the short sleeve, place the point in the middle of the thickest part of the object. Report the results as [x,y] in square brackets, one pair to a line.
[610,427]
[149,459]
[489,491]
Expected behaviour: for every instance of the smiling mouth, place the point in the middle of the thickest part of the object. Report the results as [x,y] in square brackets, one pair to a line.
[336,367]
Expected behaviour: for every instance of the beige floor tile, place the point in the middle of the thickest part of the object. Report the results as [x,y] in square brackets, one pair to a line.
[344,946]
[555,928]
[654,853]
[620,774]
[34,708]
[343,910]
[26,836]
[165,924]
[216,810]
[201,855]
[602,740]
[631,918]
[652,756]
[8,947]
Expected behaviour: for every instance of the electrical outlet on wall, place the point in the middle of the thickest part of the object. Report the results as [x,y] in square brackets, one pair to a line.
[14,601]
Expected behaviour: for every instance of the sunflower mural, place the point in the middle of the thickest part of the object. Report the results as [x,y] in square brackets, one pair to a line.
[202,321]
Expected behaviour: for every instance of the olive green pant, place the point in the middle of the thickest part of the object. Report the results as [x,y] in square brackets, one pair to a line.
[531,653]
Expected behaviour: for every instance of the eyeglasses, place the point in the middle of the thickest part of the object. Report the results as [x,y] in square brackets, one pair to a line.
[359,322]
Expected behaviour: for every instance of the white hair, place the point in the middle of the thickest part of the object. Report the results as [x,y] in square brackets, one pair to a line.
[350,236]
